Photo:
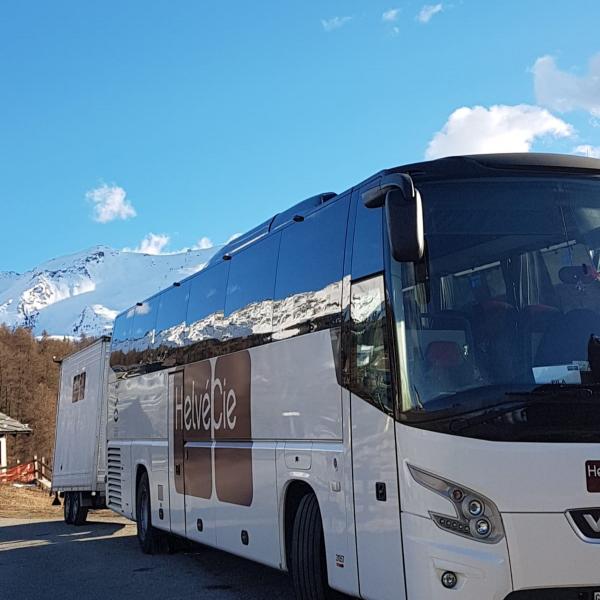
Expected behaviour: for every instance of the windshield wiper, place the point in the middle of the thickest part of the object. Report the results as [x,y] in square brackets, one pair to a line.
[461,424]
[544,394]
[494,400]
[558,389]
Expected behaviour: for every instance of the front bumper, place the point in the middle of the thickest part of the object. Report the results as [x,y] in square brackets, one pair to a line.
[483,570]
[541,558]
[546,552]
[556,594]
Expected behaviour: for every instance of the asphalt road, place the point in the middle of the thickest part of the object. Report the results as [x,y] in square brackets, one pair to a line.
[102,560]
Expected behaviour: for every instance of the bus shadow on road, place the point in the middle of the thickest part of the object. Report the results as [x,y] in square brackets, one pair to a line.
[42,533]
[102,560]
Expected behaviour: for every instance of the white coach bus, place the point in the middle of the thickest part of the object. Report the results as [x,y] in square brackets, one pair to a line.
[393,392]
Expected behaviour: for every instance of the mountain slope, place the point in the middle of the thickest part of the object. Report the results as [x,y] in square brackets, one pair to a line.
[7,278]
[83,292]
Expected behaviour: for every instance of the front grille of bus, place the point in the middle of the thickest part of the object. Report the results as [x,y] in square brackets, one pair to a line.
[113,478]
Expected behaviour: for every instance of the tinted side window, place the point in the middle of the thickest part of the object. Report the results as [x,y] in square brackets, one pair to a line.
[171,324]
[370,375]
[367,251]
[251,282]
[120,340]
[309,272]
[172,309]
[143,331]
[205,311]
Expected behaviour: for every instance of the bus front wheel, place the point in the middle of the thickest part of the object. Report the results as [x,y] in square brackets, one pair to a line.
[308,566]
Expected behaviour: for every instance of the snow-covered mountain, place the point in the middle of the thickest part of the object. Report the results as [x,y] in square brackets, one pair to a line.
[82,293]
[7,278]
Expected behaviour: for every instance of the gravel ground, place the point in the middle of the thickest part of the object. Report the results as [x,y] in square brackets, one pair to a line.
[32,502]
[41,557]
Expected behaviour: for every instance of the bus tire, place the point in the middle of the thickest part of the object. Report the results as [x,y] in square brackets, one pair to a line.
[146,534]
[79,512]
[68,508]
[308,565]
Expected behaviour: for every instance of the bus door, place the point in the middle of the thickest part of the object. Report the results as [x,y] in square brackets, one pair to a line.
[374,464]
[176,475]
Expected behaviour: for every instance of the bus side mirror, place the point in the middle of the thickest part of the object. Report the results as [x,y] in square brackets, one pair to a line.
[404,215]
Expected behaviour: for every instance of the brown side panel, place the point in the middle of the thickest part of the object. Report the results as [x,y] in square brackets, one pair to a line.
[196,428]
[198,472]
[232,402]
[233,474]
[197,402]
[233,421]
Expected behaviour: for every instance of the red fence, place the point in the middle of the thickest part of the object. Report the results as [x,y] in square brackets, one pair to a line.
[24,473]
[35,471]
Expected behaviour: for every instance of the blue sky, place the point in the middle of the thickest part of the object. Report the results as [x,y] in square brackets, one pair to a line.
[199,119]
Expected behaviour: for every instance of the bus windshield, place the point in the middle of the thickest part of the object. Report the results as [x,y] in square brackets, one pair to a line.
[507,296]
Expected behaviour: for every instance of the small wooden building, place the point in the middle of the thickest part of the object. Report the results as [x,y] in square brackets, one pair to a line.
[9,426]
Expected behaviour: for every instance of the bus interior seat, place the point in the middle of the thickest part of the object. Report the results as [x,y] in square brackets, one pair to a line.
[534,320]
[495,327]
[447,365]
[566,337]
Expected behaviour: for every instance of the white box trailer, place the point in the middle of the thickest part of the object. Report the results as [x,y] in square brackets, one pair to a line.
[79,467]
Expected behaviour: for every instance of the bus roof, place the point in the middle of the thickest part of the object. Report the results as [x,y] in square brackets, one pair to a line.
[449,168]
[498,165]
[452,167]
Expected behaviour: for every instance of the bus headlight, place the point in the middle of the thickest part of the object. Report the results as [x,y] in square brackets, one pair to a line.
[476,517]
[483,528]
[475,508]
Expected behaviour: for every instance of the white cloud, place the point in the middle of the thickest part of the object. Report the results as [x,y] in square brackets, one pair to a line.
[110,203]
[233,237]
[428,12]
[153,243]
[498,128]
[563,91]
[334,23]
[204,243]
[587,150]
[390,15]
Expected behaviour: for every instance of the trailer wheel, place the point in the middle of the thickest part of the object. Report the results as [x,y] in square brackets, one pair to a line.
[146,534]
[308,566]
[68,508]
[79,512]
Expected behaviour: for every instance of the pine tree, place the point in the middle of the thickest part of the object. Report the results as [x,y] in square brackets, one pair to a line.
[29,378]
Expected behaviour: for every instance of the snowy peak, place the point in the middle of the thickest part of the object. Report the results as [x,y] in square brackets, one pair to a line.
[80,294]
[6,279]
